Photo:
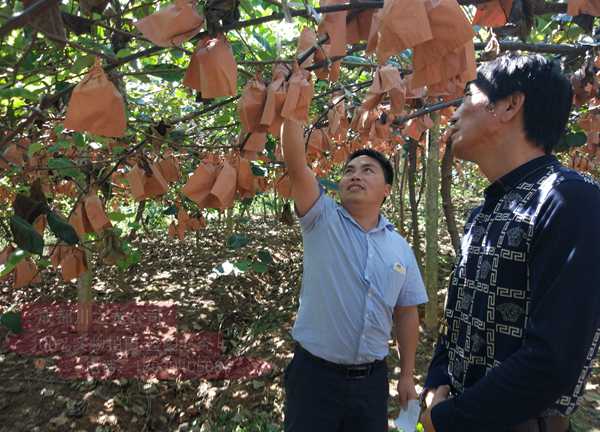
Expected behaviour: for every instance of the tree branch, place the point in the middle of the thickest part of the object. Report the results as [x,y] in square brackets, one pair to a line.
[563,49]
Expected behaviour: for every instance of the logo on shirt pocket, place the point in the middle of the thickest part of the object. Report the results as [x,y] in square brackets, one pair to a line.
[396,277]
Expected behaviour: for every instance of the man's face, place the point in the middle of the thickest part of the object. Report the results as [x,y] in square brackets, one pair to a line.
[363,182]
[474,122]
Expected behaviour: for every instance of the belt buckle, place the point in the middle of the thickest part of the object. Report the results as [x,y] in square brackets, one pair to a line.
[358,372]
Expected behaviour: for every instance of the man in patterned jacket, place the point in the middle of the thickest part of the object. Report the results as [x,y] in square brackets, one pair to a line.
[522,317]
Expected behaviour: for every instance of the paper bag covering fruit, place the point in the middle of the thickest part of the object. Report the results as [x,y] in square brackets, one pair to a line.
[362,122]
[318,141]
[337,119]
[386,81]
[48,21]
[73,264]
[330,68]
[401,24]
[247,183]
[94,211]
[199,184]
[212,70]
[96,106]
[255,143]
[298,96]
[26,273]
[340,154]
[222,193]
[14,154]
[169,168]
[146,181]
[493,13]
[172,25]
[40,224]
[196,223]
[448,53]
[4,255]
[211,185]
[417,126]
[58,253]
[358,26]
[89,216]
[334,25]
[442,77]
[380,130]
[578,7]
[307,40]
[276,96]
[413,92]
[251,105]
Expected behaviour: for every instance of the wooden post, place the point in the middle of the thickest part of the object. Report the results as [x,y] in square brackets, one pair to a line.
[412,198]
[446,191]
[85,296]
[431,224]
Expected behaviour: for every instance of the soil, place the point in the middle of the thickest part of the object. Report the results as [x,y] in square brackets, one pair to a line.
[253,310]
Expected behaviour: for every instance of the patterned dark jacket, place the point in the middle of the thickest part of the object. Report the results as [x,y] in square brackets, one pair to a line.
[522,316]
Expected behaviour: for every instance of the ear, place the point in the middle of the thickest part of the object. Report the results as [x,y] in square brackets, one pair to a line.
[512,106]
[387,190]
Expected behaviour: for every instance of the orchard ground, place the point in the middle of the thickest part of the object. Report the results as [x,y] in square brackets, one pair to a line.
[253,309]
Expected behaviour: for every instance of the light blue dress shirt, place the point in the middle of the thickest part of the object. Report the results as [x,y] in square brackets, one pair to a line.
[351,283]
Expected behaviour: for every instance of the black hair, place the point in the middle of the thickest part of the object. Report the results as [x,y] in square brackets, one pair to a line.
[548,93]
[384,162]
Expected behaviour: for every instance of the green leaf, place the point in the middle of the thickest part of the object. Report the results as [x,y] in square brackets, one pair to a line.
[177,135]
[61,144]
[243,265]
[18,92]
[81,63]
[43,263]
[62,229]
[237,241]
[25,235]
[170,211]
[165,71]
[63,167]
[576,139]
[356,60]
[117,216]
[259,267]
[265,44]
[265,257]
[124,52]
[79,139]
[12,321]
[258,171]
[132,257]
[34,148]
[571,140]
[15,258]
[328,184]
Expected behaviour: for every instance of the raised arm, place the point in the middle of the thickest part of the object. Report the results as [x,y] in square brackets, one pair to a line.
[305,190]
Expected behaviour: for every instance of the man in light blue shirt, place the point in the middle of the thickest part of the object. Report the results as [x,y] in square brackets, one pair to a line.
[360,277]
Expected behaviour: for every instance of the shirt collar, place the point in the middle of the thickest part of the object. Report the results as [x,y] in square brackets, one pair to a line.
[518,175]
[383,222]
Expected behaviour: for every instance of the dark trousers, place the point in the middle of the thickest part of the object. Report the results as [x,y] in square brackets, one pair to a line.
[323,398]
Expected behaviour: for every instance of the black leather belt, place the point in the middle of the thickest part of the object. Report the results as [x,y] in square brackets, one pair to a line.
[349,371]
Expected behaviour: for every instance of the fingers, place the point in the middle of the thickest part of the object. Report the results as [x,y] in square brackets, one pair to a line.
[441,394]
[403,400]
[444,390]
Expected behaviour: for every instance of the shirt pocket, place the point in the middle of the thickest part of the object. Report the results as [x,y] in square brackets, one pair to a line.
[396,275]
